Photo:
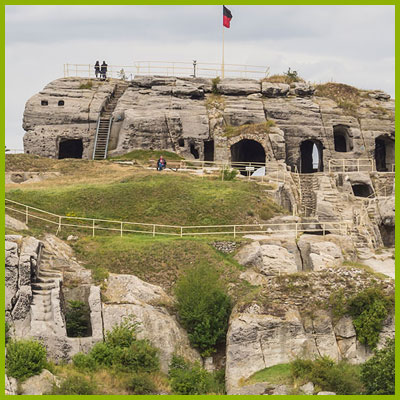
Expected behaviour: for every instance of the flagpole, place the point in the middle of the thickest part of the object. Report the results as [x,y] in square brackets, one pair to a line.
[223,52]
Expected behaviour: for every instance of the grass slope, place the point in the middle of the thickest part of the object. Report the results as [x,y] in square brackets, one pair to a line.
[155,198]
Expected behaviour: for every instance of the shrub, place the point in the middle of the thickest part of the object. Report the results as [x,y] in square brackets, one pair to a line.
[25,358]
[215,83]
[7,331]
[378,373]
[229,174]
[83,362]
[75,384]
[102,354]
[139,356]
[122,335]
[369,309]
[77,318]
[341,378]
[203,307]
[185,378]
[141,383]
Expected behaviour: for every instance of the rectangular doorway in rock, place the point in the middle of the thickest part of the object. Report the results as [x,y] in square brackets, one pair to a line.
[209,150]
[70,148]
[387,234]
[194,151]
[77,311]
[384,153]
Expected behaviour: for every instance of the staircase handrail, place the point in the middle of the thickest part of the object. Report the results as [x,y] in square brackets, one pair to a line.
[95,139]
[108,136]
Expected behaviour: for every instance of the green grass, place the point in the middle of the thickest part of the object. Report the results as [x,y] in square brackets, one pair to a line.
[277,374]
[147,155]
[155,198]
[159,260]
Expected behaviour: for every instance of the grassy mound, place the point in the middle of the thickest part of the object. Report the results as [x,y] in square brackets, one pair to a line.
[154,198]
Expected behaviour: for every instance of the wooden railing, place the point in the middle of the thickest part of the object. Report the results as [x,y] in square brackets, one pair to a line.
[92,225]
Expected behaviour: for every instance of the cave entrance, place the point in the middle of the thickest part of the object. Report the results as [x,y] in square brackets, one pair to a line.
[384,153]
[77,311]
[70,148]
[342,140]
[387,234]
[311,157]
[194,151]
[209,150]
[362,190]
[247,151]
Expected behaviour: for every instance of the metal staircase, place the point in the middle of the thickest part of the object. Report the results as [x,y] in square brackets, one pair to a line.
[104,123]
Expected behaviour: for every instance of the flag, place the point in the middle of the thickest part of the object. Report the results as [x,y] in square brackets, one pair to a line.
[227,17]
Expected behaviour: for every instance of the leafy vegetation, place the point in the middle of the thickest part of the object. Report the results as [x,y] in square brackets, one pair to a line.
[229,174]
[342,378]
[77,319]
[191,379]
[141,383]
[215,83]
[277,374]
[262,128]
[378,373]
[25,358]
[75,383]
[288,77]
[368,308]
[203,307]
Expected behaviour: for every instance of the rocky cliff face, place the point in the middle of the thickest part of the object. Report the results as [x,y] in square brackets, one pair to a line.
[185,116]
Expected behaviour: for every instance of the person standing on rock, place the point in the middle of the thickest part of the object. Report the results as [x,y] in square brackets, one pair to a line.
[161,163]
[104,70]
[97,69]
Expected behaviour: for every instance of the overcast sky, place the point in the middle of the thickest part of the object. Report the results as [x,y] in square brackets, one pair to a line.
[349,44]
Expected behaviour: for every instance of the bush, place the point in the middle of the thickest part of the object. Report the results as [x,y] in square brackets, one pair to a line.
[87,85]
[215,83]
[341,378]
[102,354]
[141,383]
[7,331]
[369,309]
[122,335]
[378,373]
[25,358]
[75,384]
[77,319]
[229,174]
[185,378]
[203,307]
[139,356]
[83,362]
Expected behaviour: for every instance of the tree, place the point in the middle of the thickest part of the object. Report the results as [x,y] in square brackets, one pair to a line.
[203,307]
[378,373]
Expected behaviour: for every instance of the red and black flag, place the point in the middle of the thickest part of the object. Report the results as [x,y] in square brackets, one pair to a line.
[227,17]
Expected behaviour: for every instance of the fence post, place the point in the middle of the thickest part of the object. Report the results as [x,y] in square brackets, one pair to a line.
[154,230]
[93,229]
[181,231]
[26,214]
[234,231]
[59,224]
[323,229]
[121,228]
[344,168]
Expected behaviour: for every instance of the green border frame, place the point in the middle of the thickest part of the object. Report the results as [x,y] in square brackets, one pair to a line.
[2,178]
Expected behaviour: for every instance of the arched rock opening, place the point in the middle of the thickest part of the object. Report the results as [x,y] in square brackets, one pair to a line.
[384,153]
[311,156]
[247,150]
[342,140]
[387,234]
[70,148]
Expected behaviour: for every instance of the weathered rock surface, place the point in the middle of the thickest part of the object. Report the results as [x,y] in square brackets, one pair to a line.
[143,302]
[14,224]
[11,385]
[39,384]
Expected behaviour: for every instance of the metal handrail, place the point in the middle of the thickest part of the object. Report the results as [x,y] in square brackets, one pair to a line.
[157,229]
[171,68]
